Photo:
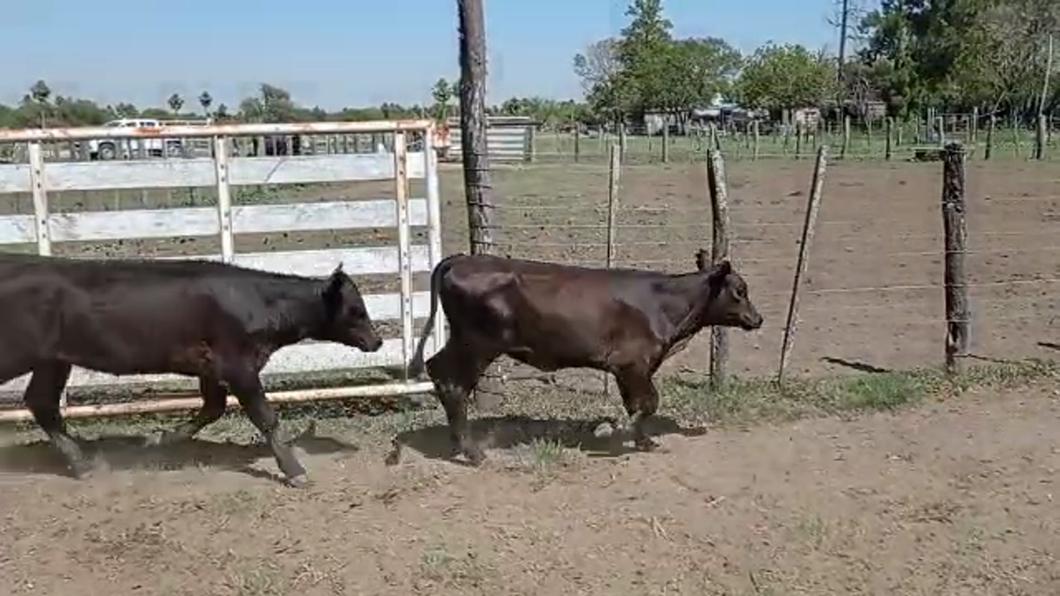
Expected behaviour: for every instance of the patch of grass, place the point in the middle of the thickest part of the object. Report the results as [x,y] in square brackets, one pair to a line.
[441,568]
[545,453]
[744,401]
[687,398]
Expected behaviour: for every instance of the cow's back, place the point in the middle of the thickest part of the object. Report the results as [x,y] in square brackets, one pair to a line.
[548,315]
[129,316]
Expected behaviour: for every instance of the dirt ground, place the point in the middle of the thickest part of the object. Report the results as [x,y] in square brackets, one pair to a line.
[949,498]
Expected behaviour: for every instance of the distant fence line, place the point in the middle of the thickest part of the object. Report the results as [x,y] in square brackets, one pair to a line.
[985,137]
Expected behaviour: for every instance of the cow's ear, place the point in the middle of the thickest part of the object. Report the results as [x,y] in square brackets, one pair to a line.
[702,260]
[721,270]
[333,291]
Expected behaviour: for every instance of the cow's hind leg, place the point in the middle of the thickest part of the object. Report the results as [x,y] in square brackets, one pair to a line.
[641,400]
[246,385]
[214,397]
[455,371]
[42,398]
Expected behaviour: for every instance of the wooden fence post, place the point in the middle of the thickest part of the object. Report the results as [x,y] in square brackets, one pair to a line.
[666,142]
[577,143]
[991,125]
[719,207]
[956,235]
[798,139]
[1039,140]
[887,150]
[974,132]
[478,188]
[614,172]
[757,138]
[846,138]
[809,226]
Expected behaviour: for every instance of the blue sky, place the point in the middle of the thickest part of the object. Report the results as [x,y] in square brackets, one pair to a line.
[336,53]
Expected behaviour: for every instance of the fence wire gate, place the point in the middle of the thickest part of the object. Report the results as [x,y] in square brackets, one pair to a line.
[873,298]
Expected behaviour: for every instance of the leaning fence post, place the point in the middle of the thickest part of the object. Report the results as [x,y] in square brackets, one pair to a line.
[809,226]
[719,207]
[614,172]
[956,234]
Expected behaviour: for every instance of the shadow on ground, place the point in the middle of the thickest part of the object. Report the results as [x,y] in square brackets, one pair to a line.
[856,365]
[131,452]
[598,437]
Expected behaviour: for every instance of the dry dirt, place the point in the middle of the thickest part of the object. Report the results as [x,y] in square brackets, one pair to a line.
[953,497]
[948,498]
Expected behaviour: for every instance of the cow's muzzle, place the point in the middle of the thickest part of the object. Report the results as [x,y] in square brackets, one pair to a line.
[752,321]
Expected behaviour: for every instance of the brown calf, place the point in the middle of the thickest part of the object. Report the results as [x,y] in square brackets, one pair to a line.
[623,321]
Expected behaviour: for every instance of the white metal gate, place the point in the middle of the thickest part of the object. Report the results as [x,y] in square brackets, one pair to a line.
[224,171]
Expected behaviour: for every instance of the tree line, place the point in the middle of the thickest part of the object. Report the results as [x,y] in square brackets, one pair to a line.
[906,55]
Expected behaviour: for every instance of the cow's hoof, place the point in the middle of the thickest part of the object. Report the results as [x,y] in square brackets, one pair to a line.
[81,470]
[475,456]
[299,481]
[645,444]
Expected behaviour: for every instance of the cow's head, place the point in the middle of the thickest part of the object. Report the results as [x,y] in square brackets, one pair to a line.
[346,319]
[729,304]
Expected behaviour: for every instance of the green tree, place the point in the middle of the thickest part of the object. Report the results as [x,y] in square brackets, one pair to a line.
[644,52]
[784,77]
[442,93]
[39,93]
[205,100]
[175,102]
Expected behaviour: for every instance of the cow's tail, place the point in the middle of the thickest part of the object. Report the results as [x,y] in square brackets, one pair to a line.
[416,365]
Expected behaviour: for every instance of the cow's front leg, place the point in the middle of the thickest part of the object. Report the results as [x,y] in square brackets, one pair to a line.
[641,400]
[42,398]
[214,398]
[246,385]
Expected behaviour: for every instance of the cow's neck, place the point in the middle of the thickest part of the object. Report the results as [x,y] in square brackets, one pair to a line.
[302,317]
[686,298]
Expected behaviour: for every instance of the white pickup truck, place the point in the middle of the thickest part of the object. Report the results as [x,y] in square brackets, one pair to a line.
[108,149]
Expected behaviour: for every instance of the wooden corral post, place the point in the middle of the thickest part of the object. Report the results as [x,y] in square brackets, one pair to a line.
[798,139]
[531,142]
[1016,133]
[666,142]
[956,234]
[898,134]
[622,141]
[975,125]
[846,138]
[809,226]
[577,142]
[887,145]
[719,206]
[478,189]
[868,133]
[940,122]
[1039,138]
[991,125]
[614,173]
[757,139]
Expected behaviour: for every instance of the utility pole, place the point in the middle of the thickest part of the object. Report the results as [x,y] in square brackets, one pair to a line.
[844,23]
[478,189]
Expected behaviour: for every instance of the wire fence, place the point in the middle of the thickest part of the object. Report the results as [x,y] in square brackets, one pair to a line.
[985,136]
[874,294]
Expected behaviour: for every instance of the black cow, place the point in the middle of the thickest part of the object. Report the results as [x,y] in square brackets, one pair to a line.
[214,321]
[623,321]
